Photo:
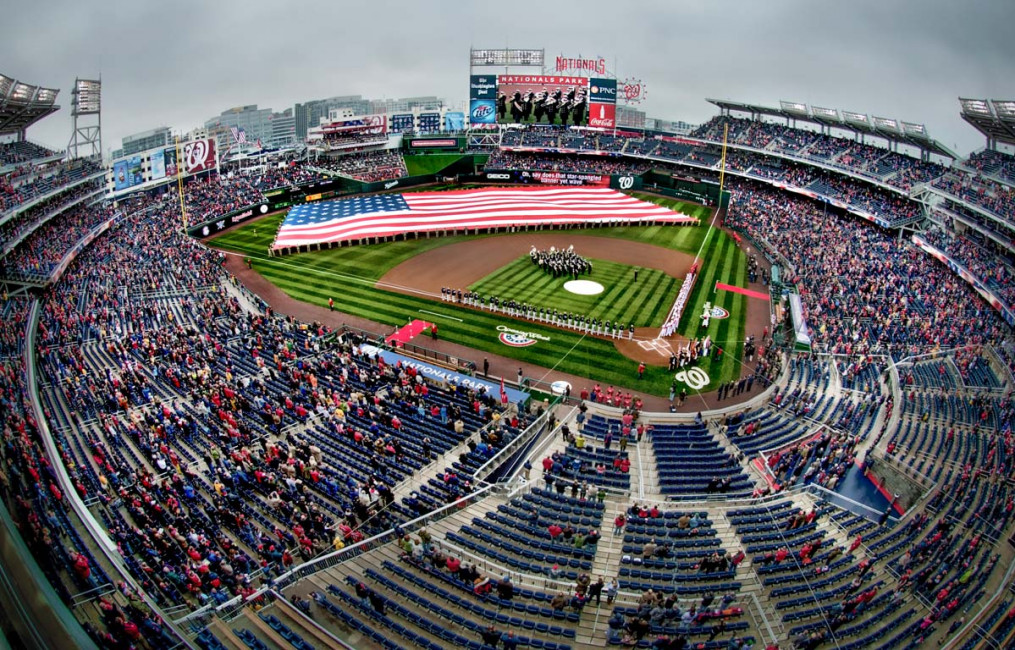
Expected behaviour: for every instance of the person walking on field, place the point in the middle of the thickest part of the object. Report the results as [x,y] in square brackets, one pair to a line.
[641,369]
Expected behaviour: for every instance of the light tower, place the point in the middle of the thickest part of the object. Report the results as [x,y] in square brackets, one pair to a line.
[86,109]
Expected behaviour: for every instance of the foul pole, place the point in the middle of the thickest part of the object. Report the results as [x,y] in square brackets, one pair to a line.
[179,184]
[722,179]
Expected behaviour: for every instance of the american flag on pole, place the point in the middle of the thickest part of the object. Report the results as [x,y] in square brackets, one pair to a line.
[382,215]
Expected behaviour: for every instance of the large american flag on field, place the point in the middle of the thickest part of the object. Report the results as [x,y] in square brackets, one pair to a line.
[382,215]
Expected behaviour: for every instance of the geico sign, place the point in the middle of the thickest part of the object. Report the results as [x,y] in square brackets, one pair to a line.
[498,177]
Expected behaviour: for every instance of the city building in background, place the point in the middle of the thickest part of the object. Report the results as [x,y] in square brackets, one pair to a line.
[138,142]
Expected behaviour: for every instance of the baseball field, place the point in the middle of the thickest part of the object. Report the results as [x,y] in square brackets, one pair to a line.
[397,281]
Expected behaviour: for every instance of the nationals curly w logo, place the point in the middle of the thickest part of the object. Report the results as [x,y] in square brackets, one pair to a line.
[198,156]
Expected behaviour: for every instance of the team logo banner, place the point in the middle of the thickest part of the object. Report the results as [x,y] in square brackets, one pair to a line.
[198,156]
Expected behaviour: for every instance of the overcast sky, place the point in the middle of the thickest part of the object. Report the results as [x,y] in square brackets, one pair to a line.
[179,63]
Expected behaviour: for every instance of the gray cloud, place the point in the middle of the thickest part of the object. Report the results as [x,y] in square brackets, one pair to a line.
[178,64]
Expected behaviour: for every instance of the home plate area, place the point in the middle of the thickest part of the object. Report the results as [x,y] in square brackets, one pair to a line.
[660,346]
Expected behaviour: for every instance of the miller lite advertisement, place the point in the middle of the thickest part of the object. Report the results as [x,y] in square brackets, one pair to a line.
[482,111]
[542,99]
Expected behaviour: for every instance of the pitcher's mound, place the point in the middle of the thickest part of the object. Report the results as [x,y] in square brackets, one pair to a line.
[583,287]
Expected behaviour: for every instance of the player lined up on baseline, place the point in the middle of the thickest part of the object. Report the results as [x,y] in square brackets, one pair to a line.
[517,309]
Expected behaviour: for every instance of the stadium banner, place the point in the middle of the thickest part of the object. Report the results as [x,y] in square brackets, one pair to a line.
[801,337]
[429,123]
[482,111]
[402,122]
[603,103]
[444,376]
[1005,310]
[170,155]
[135,171]
[218,224]
[483,86]
[158,162]
[626,182]
[564,64]
[541,177]
[440,144]
[542,99]
[198,156]
[120,179]
[407,181]
[454,121]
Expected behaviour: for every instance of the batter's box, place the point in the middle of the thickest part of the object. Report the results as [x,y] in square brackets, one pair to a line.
[659,346]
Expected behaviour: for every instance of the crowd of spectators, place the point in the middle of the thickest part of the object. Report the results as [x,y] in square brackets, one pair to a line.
[866,290]
[287,174]
[878,163]
[993,163]
[892,207]
[29,488]
[194,414]
[988,266]
[214,196]
[25,184]
[506,160]
[983,192]
[28,220]
[823,460]
[38,255]
[368,167]
[14,153]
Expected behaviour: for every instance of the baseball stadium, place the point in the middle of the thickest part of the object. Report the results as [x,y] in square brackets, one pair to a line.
[513,372]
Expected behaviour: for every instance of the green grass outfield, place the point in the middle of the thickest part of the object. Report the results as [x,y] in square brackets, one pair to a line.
[430,163]
[644,303]
[349,275]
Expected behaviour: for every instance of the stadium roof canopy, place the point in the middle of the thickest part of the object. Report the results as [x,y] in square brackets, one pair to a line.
[994,118]
[22,105]
[892,130]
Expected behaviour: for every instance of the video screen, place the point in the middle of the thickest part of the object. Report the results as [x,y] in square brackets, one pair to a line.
[542,99]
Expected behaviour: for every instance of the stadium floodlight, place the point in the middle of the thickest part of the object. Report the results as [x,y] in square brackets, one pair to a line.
[22,92]
[86,107]
[975,106]
[857,119]
[506,57]
[828,113]
[1005,108]
[6,83]
[886,124]
[47,95]
[914,130]
[87,97]
[793,107]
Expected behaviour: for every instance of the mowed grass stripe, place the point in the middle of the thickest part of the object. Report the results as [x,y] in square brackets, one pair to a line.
[647,300]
